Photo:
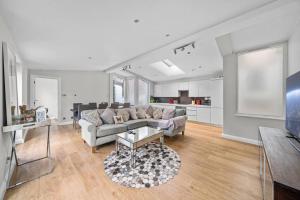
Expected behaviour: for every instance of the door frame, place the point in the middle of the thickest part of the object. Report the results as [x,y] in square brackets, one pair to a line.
[32,91]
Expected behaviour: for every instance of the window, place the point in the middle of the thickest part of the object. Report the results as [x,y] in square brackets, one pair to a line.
[130,91]
[143,92]
[167,68]
[261,82]
[118,90]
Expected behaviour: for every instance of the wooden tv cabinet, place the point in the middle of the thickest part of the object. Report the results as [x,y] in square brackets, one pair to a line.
[279,165]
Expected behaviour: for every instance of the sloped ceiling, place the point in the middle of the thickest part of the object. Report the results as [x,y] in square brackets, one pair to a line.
[268,25]
[63,34]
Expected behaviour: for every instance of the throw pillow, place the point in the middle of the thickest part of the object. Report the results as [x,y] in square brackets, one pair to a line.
[168,114]
[149,111]
[179,112]
[118,119]
[157,113]
[108,116]
[141,113]
[132,113]
[148,116]
[92,116]
[124,113]
[100,111]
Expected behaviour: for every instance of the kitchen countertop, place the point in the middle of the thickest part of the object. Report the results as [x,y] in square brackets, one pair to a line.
[183,105]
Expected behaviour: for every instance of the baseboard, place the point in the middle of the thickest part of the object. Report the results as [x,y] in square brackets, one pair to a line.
[7,177]
[240,139]
[2,189]
[66,122]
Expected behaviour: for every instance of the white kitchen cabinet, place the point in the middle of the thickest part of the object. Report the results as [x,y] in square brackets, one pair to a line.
[203,114]
[192,117]
[157,90]
[217,93]
[166,90]
[204,88]
[191,113]
[183,85]
[173,90]
[193,88]
[217,116]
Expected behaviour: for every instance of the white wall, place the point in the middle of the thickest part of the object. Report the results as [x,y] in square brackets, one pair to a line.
[88,86]
[294,51]
[5,142]
[237,126]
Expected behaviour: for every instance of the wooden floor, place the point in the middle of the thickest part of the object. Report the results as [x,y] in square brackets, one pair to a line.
[212,168]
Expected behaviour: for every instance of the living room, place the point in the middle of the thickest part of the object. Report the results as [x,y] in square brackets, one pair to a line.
[149,100]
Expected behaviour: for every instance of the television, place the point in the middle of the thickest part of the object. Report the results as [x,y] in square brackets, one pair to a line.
[292,122]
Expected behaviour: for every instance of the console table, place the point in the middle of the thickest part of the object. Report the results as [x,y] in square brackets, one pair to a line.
[279,165]
[46,164]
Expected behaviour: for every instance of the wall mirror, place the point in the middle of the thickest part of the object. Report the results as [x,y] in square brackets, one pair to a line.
[10,82]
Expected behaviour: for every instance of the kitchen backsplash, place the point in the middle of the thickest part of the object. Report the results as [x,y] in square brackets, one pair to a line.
[180,100]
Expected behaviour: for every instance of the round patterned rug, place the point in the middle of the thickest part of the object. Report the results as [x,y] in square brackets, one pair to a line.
[155,165]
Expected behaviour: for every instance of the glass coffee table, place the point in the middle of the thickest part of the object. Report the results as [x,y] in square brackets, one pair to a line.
[138,137]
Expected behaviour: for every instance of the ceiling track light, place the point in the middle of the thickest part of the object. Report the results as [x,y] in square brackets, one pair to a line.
[183,47]
[126,67]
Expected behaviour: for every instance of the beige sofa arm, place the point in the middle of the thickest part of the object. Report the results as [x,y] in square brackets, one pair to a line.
[88,132]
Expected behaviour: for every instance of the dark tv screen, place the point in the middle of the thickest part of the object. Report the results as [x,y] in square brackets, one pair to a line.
[292,122]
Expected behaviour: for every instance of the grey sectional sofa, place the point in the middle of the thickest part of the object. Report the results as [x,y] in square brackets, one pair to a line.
[96,135]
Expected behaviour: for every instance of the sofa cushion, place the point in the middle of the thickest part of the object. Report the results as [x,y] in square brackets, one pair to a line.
[168,114]
[124,113]
[132,124]
[118,119]
[157,113]
[92,116]
[159,123]
[109,129]
[132,113]
[149,110]
[141,113]
[179,112]
[108,116]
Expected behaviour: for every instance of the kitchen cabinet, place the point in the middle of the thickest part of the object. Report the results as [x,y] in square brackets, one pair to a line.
[216,93]
[173,90]
[204,88]
[166,90]
[191,113]
[157,90]
[183,85]
[216,115]
[203,115]
[193,88]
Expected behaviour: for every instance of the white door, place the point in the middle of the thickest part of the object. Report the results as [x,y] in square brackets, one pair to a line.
[45,93]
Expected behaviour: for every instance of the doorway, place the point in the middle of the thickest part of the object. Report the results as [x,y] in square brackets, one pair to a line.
[45,92]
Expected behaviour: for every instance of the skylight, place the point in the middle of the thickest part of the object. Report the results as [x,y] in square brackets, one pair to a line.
[167,68]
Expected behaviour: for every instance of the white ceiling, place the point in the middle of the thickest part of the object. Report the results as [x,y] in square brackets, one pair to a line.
[267,25]
[63,34]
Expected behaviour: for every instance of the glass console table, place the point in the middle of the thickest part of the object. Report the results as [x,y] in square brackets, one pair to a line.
[31,169]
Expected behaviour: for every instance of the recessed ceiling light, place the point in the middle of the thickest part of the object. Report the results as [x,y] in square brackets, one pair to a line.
[167,35]
[136,21]
[90,57]
[188,52]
